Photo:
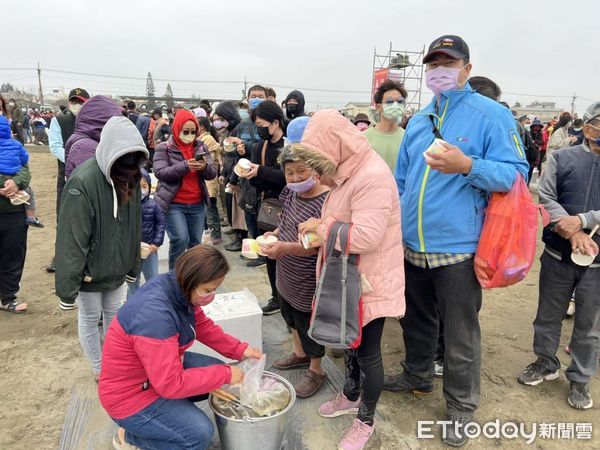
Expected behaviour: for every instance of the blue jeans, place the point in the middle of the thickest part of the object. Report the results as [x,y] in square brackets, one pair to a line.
[172,424]
[149,269]
[185,225]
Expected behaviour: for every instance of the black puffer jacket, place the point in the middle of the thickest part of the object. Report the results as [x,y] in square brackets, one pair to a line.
[153,218]
[229,112]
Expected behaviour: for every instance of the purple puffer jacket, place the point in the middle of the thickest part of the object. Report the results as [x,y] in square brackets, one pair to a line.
[170,166]
[82,144]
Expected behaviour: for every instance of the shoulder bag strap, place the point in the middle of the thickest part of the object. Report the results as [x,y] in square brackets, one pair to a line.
[263,155]
[436,132]
[332,237]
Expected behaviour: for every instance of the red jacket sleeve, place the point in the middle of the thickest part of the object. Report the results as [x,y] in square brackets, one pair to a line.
[214,337]
[164,367]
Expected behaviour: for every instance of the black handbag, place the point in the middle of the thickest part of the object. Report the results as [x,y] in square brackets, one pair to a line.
[268,215]
[248,199]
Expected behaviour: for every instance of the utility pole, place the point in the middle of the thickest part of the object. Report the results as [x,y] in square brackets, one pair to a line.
[573,104]
[41,93]
[245,88]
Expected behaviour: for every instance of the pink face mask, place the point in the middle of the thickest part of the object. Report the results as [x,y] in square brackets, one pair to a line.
[442,79]
[204,299]
[362,126]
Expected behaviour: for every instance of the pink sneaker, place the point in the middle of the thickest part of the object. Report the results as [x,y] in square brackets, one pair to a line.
[357,436]
[339,406]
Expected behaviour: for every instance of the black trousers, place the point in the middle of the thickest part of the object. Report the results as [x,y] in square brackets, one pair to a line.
[13,248]
[60,185]
[452,294]
[364,371]
[229,207]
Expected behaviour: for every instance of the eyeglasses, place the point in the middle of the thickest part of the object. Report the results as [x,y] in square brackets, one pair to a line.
[186,132]
[399,100]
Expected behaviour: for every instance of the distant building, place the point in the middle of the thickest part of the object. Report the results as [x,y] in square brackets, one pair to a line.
[353,108]
[544,111]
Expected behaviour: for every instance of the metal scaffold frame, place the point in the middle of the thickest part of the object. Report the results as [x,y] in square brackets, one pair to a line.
[404,66]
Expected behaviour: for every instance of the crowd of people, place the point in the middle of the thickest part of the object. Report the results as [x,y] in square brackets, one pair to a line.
[128,175]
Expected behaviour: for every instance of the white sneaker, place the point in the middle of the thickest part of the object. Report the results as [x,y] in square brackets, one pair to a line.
[439,368]
[571,308]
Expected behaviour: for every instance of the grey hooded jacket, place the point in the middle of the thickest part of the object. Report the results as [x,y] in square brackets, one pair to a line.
[98,240]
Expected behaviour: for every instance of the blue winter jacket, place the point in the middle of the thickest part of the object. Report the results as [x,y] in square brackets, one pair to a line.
[443,213]
[153,219]
[13,155]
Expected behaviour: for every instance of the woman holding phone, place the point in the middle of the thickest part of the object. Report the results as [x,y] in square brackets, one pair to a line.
[182,166]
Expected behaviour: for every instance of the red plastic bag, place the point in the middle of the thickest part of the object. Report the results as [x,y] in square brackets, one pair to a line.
[508,240]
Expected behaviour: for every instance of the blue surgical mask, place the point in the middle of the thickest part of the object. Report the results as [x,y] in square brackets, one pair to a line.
[303,186]
[254,102]
[244,114]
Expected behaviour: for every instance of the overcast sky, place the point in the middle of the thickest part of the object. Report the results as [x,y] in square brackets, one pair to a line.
[548,50]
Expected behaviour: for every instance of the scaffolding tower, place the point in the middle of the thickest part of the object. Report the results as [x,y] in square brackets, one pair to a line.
[403,66]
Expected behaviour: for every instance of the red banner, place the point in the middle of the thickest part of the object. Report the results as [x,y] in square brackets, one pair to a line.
[379,76]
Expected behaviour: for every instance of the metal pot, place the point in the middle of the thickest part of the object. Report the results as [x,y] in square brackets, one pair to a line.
[262,433]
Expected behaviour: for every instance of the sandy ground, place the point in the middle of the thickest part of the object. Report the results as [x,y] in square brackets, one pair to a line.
[41,360]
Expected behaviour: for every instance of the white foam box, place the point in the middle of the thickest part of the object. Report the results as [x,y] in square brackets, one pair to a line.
[239,315]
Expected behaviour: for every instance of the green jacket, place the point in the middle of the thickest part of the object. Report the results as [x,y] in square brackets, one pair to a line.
[22,178]
[98,240]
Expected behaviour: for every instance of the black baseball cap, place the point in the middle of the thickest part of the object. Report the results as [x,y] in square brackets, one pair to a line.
[450,45]
[79,94]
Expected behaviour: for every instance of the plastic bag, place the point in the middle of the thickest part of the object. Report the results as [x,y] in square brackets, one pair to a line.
[253,372]
[264,395]
[508,240]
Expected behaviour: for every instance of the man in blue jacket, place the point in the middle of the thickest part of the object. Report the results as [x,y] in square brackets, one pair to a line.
[444,193]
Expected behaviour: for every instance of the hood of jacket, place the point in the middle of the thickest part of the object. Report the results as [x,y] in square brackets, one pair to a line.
[93,116]
[337,147]
[119,137]
[146,176]
[301,103]
[229,112]
[4,128]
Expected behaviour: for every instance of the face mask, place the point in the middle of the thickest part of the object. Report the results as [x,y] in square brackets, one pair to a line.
[254,102]
[292,109]
[244,114]
[302,186]
[187,139]
[204,299]
[442,79]
[528,127]
[577,129]
[264,133]
[11,104]
[393,111]
[362,126]
[75,108]
[219,124]
[145,192]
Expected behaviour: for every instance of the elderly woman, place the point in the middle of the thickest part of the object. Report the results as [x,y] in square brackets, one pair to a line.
[182,165]
[364,193]
[149,383]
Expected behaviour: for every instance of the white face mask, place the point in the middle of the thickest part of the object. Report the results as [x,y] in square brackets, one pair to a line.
[145,192]
[75,108]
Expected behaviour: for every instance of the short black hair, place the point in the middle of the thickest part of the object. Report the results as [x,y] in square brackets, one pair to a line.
[578,123]
[388,85]
[485,87]
[269,111]
[257,87]
[130,104]
[271,92]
